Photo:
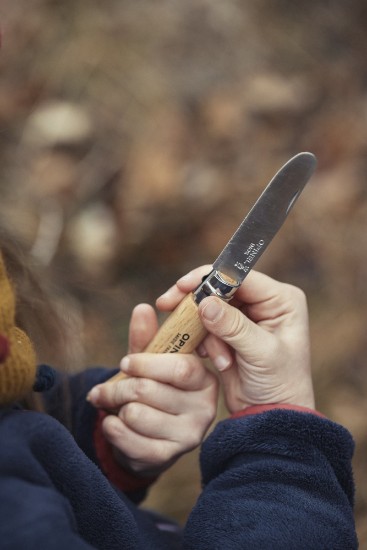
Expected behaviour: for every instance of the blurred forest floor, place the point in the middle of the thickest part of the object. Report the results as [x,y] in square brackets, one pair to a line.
[134,137]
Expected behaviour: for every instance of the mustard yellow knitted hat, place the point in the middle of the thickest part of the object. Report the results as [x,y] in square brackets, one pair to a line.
[17,356]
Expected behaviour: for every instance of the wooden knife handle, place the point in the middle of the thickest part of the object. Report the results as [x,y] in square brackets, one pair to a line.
[181,332]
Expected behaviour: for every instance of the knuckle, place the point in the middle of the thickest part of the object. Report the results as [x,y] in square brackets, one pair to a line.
[206,420]
[142,387]
[160,454]
[194,436]
[291,290]
[131,413]
[300,294]
[208,414]
[184,371]
[112,429]
[295,294]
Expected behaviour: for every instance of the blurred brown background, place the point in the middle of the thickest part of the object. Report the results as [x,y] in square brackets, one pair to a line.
[135,135]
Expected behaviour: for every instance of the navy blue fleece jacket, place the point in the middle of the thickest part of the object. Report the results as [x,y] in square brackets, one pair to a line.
[277,480]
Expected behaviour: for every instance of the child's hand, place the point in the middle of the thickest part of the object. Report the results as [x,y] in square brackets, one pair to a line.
[260,344]
[165,405]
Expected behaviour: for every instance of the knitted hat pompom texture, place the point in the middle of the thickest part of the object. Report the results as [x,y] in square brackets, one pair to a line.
[17,355]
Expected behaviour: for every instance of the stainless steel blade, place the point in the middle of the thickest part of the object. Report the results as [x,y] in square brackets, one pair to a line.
[265,218]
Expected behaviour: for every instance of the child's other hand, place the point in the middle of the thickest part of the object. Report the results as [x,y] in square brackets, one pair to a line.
[260,343]
[165,405]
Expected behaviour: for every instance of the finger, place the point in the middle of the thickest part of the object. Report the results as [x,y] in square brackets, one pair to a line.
[180,370]
[189,282]
[143,326]
[257,287]
[136,447]
[233,327]
[160,396]
[219,352]
[263,298]
[149,422]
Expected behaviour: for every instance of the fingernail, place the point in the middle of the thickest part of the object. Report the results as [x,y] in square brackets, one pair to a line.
[221,362]
[212,310]
[93,395]
[125,364]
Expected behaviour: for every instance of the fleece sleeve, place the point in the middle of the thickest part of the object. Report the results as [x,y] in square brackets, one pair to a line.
[275,480]
[51,495]
[34,516]
[66,402]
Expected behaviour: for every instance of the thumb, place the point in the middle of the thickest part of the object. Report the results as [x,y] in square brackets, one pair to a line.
[142,328]
[253,343]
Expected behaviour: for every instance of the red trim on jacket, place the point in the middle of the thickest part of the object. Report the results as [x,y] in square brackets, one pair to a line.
[257,409]
[116,474]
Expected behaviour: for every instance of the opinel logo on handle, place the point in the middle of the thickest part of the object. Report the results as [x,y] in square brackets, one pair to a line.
[182,331]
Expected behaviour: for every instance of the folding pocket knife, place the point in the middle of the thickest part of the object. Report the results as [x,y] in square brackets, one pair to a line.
[182,331]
